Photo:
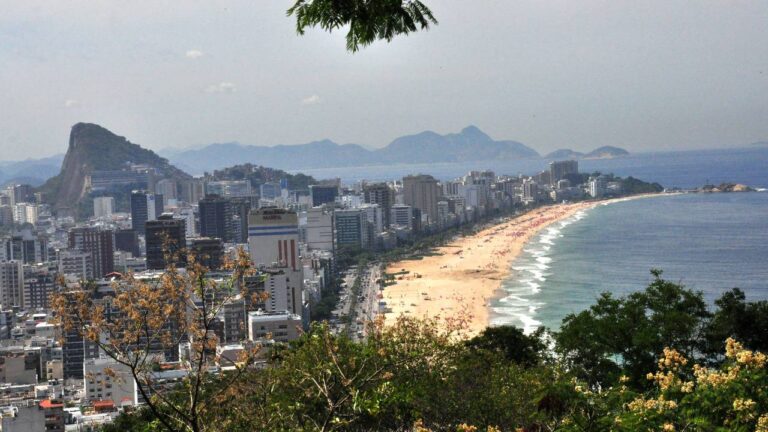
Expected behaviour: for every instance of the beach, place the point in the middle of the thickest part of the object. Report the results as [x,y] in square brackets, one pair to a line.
[458,280]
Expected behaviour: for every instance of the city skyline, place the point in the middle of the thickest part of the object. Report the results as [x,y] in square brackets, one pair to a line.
[642,77]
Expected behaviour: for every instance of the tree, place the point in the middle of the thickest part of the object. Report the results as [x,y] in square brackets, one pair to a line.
[736,318]
[368,20]
[625,335]
[137,323]
[512,343]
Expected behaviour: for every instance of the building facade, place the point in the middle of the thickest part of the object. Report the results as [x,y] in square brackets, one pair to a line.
[216,218]
[383,195]
[99,243]
[144,207]
[165,235]
[422,192]
[273,237]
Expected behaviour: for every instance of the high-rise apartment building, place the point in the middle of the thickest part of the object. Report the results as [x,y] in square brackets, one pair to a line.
[216,218]
[20,193]
[75,263]
[597,186]
[241,206]
[99,243]
[39,285]
[351,228]
[401,215]
[375,217]
[127,240]
[208,251]
[422,192]
[530,191]
[273,241]
[319,229]
[165,235]
[383,195]
[168,189]
[559,169]
[6,214]
[11,284]
[144,207]
[284,289]
[192,190]
[25,213]
[25,246]
[273,237]
[103,207]
[323,194]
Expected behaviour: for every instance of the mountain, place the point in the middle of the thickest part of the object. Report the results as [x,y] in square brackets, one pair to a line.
[562,154]
[316,154]
[91,148]
[760,144]
[30,171]
[471,144]
[606,152]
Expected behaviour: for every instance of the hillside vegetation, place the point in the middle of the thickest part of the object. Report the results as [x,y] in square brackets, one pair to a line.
[656,360]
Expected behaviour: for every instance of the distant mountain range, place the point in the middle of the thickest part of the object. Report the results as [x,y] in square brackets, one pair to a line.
[30,171]
[426,147]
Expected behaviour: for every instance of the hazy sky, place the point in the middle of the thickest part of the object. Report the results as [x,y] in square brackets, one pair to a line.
[643,75]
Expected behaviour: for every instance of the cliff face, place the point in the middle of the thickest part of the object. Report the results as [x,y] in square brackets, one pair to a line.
[92,147]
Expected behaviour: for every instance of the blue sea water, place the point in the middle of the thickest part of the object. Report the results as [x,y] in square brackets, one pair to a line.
[685,169]
[709,242]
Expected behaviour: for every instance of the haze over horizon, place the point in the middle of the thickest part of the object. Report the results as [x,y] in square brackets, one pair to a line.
[660,75]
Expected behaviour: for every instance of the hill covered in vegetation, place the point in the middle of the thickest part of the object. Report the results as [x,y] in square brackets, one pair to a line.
[258,174]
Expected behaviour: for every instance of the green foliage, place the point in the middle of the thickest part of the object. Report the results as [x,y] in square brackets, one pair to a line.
[631,185]
[624,335]
[368,20]
[322,309]
[512,344]
[744,321]
[137,421]
[258,175]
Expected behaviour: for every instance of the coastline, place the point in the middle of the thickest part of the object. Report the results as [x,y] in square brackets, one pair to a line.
[459,280]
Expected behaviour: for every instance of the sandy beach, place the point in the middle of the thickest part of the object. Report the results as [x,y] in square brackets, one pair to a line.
[459,279]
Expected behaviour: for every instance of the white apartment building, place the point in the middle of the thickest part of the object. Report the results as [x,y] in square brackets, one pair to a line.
[106,379]
[103,207]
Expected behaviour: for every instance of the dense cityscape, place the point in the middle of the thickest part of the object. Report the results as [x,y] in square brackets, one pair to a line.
[383,215]
[293,236]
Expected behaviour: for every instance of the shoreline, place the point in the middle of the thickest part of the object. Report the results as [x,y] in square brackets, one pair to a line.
[460,280]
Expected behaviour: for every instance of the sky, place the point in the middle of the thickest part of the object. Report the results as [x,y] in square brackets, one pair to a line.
[643,75]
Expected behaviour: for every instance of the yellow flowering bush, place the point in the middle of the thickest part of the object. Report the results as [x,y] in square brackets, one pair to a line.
[691,397]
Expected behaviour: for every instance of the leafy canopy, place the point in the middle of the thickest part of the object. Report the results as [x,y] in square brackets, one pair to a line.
[368,20]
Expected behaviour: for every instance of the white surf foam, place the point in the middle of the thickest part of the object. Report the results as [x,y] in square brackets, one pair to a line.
[520,305]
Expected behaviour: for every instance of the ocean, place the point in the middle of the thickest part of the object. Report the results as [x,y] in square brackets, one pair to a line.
[708,242]
[685,169]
